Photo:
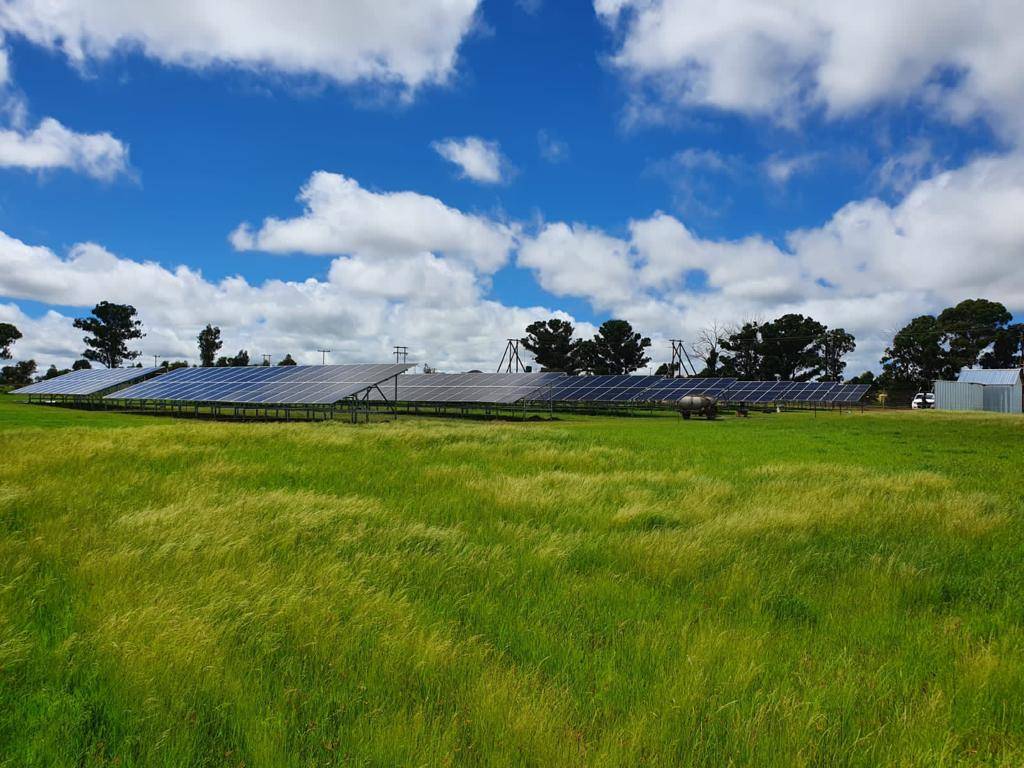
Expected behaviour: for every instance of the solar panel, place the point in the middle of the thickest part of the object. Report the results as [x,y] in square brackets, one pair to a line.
[87,382]
[495,388]
[850,393]
[671,390]
[754,392]
[602,389]
[285,384]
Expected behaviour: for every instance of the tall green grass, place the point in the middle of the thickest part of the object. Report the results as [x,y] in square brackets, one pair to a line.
[785,590]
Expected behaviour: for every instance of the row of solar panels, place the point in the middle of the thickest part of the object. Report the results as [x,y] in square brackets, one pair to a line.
[88,382]
[298,384]
[557,387]
[326,384]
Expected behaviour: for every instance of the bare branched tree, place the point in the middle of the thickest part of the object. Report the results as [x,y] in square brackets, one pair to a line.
[708,346]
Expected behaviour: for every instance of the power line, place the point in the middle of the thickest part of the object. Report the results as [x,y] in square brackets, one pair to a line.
[323,352]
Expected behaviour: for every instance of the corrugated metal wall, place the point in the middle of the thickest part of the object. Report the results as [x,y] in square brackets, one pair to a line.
[967,396]
[1003,399]
[959,396]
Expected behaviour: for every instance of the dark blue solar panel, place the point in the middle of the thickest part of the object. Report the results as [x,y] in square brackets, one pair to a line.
[669,390]
[297,384]
[88,382]
[614,388]
[753,392]
[493,388]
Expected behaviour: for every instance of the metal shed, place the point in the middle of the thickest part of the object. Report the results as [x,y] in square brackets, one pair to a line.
[1000,390]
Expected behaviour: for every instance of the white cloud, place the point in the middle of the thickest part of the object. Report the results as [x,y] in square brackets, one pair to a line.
[530,6]
[52,146]
[692,159]
[381,41]
[780,169]
[901,171]
[870,268]
[435,306]
[783,58]
[341,218]
[551,149]
[5,66]
[579,261]
[477,159]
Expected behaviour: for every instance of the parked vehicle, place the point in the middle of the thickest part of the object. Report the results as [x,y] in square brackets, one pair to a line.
[923,400]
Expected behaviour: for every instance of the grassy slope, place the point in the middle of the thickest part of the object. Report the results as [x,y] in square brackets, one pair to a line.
[783,590]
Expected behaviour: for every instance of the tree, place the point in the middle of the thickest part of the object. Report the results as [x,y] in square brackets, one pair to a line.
[917,355]
[18,375]
[8,335]
[81,365]
[110,328]
[868,377]
[209,345]
[615,349]
[833,345]
[241,359]
[552,344]
[1007,348]
[54,371]
[743,356]
[708,348]
[788,348]
[970,327]
[167,365]
[287,360]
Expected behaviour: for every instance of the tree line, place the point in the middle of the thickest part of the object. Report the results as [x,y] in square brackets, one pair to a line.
[110,328]
[793,347]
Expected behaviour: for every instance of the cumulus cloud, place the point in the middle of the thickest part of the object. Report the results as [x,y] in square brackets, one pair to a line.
[435,306]
[580,261]
[476,159]
[382,41]
[869,268]
[781,59]
[341,218]
[51,145]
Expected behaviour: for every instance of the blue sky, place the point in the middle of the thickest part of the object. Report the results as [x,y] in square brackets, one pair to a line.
[737,146]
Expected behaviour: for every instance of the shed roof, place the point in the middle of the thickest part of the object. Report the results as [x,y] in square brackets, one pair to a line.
[991,376]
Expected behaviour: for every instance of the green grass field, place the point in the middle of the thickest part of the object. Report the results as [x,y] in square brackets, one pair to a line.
[834,590]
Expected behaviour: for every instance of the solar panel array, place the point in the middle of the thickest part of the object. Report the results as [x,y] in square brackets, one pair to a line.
[753,392]
[279,385]
[629,389]
[325,384]
[505,388]
[88,382]
[497,388]
[673,390]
